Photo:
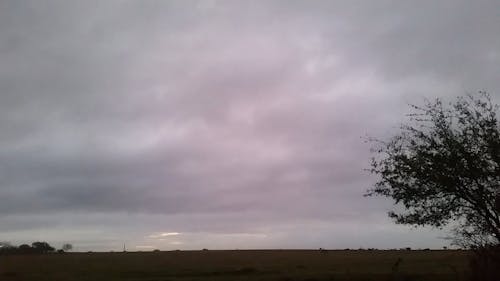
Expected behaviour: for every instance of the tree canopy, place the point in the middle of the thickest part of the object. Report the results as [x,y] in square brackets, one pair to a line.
[444,167]
[35,248]
[67,247]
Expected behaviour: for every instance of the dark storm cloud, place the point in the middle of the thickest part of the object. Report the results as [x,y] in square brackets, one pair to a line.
[218,116]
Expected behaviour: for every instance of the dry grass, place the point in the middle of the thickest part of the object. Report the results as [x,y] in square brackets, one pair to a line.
[284,265]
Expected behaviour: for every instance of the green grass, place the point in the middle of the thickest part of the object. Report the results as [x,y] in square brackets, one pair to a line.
[280,265]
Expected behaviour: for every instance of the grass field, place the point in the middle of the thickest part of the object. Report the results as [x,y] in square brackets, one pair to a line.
[280,265]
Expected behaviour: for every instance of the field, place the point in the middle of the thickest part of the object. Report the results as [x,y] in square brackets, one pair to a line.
[280,265]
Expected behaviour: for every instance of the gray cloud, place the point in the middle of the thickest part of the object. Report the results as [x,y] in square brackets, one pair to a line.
[220,118]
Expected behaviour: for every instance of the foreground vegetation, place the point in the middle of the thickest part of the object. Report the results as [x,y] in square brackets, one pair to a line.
[291,265]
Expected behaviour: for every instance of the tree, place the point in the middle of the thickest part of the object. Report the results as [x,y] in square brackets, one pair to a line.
[25,249]
[42,247]
[7,248]
[443,167]
[67,247]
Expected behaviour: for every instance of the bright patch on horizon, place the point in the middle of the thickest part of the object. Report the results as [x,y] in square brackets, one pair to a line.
[163,234]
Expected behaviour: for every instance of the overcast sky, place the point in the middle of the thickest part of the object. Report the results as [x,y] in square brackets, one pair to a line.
[220,124]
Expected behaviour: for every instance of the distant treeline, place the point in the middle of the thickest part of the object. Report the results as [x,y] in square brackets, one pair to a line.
[35,248]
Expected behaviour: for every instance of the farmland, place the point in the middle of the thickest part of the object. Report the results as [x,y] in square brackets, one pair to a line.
[280,265]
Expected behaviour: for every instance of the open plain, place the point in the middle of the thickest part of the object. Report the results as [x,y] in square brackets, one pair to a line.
[279,265]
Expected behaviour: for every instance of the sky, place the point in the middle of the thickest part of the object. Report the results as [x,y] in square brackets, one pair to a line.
[221,124]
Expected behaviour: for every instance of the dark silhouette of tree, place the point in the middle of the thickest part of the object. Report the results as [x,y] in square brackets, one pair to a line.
[67,247]
[42,247]
[7,248]
[444,166]
[25,249]
[35,248]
